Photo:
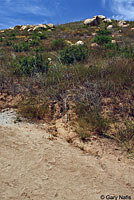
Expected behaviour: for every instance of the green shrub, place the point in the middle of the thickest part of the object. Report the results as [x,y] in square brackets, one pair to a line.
[115,46]
[22,46]
[125,135]
[11,34]
[7,43]
[127,52]
[58,44]
[1,39]
[102,39]
[39,36]
[73,54]
[34,43]
[29,65]
[104,32]
[91,119]
[38,49]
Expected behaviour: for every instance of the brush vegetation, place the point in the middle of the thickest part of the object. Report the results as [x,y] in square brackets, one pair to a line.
[43,69]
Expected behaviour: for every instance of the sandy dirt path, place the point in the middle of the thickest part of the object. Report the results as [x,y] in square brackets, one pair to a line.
[36,166]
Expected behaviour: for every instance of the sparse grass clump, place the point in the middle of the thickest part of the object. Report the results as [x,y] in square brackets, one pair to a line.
[32,108]
[58,44]
[125,135]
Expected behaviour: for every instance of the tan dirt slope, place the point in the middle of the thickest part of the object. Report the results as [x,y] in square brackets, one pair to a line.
[37,166]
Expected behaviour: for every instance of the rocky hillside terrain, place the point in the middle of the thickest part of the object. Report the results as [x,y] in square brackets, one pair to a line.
[62,87]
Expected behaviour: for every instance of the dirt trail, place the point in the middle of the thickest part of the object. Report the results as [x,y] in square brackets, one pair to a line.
[37,166]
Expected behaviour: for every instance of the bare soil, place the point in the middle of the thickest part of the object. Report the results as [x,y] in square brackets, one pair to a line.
[38,166]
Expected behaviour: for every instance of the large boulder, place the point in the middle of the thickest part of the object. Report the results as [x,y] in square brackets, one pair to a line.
[18,27]
[95,21]
[91,22]
[50,26]
[107,20]
[123,24]
[100,18]
[23,27]
[40,26]
[110,27]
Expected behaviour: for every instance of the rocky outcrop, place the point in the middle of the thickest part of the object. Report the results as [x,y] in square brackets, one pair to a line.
[95,21]
[17,27]
[91,22]
[107,20]
[123,24]
[51,25]
[33,27]
[40,26]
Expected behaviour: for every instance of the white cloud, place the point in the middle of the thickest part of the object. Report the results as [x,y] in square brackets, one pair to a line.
[27,7]
[122,8]
[27,11]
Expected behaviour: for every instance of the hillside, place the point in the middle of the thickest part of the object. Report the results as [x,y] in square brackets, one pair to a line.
[78,77]
[67,111]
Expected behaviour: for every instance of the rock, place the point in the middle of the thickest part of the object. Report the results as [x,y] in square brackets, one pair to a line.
[30,29]
[11,28]
[18,27]
[42,26]
[23,27]
[110,27]
[95,21]
[113,41]
[120,31]
[91,22]
[100,18]
[79,43]
[94,34]
[123,24]
[51,26]
[107,20]
[94,44]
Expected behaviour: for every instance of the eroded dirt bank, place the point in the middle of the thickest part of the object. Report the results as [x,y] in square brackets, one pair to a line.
[35,165]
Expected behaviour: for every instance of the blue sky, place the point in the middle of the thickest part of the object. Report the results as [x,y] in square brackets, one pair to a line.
[13,12]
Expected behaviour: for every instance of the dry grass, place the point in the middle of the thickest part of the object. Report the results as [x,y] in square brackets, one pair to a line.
[107,73]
